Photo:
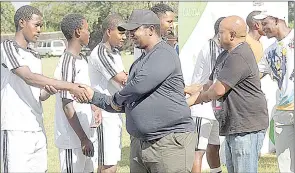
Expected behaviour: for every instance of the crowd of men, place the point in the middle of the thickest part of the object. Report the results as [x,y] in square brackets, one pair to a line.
[166,135]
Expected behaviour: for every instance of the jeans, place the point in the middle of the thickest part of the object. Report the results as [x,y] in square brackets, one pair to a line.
[242,151]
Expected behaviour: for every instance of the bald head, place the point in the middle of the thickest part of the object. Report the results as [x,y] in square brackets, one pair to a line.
[232,31]
[235,25]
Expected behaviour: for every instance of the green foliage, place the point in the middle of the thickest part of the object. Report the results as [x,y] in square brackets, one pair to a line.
[7,14]
[291,24]
[123,8]
[291,13]
[93,11]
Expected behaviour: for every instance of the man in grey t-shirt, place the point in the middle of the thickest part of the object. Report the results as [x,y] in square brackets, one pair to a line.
[157,115]
[243,117]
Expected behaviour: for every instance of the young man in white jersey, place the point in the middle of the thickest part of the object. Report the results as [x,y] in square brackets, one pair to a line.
[23,87]
[278,61]
[74,137]
[166,16]
[107,76]
[206,124]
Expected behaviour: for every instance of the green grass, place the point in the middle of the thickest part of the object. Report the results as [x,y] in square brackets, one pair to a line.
[267,163]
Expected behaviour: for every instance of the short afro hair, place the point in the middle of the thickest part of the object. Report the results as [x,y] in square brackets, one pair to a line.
[112,21]
[25,13]
[216,25]
[161,8]
[70,23]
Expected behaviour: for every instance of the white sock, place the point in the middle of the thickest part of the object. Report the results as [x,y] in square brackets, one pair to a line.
[216,170]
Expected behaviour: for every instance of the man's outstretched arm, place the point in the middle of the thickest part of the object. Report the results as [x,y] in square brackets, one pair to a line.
[102,101]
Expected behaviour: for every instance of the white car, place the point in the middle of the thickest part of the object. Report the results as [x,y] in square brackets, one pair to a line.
[50,48]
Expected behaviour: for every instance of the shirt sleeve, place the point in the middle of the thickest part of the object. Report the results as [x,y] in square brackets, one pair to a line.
[10,56]
[104,62]
[103,101]
[235,69]
[67,74]
[148,77]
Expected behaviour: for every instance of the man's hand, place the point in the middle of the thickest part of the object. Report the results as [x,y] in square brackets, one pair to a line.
[202,98]
[125,81]
[82,93]
[87,147]
[192,99]
[50,90]
[199,100]
[97,114]
[121,78]
[193,89]
[46,92]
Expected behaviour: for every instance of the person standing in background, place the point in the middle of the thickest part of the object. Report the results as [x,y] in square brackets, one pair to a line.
[278,61]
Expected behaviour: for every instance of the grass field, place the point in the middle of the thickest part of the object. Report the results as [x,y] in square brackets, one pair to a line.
[266,164]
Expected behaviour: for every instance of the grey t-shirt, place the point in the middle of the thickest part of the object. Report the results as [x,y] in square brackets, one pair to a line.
[154,98]
[244,106]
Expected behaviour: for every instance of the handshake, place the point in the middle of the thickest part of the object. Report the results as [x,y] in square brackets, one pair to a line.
[193,91]
[81,93]
[84,94]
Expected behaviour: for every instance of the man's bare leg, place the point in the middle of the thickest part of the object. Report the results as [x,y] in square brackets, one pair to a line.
[107,169]
[197,166]
[212,154]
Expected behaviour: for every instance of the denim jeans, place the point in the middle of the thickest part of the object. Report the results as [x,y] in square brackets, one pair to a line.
[242,151]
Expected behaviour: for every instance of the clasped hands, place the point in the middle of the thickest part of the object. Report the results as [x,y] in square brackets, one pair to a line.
[81,93]
[89,92]
[195,91]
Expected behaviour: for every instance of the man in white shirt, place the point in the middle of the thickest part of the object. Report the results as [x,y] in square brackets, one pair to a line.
[23,87]
[278,61]
[107,76]
[206,124]
[166,16]
[74,137]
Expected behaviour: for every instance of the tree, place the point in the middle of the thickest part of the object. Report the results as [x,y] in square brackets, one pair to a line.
[124,8]
[291,13]
[7,15]
[93,11]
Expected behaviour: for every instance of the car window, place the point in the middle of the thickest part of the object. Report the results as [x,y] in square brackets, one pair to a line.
[48,44]
[58,44]
[40,44]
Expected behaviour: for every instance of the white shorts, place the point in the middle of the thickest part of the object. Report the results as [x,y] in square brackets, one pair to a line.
[208,132]
[73,160]
[23,151]
[109,140]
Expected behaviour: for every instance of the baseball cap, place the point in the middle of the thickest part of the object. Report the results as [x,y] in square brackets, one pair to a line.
[267,13]
[139,18]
